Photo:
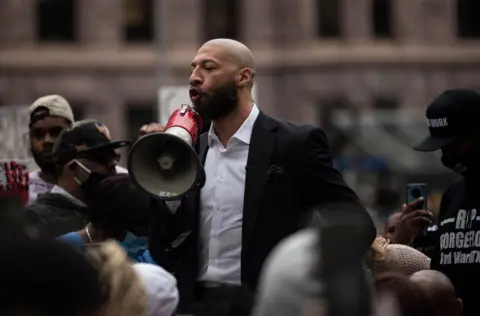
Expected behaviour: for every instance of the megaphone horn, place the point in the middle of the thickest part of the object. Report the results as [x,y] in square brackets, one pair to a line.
[165,164]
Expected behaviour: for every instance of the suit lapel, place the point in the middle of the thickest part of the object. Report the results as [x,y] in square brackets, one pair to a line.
[262,145]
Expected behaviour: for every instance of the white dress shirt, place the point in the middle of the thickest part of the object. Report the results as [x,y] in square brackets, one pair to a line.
[221,204]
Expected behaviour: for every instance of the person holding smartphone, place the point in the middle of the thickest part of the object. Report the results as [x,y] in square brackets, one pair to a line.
[84,155]
[453,125]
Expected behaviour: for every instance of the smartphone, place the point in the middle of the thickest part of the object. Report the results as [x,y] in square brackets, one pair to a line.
[416,191]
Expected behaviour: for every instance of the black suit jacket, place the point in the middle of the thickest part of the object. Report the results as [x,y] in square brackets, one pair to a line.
[289,171]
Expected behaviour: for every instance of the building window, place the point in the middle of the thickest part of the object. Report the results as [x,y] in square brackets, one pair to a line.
[337,138]
[468,15]
[221,19]
[382,18]
[139,114]
[56,20]
[329,18]
[138,21]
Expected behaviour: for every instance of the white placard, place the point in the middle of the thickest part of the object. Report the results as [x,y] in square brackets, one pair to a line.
[171,98]
[13,132]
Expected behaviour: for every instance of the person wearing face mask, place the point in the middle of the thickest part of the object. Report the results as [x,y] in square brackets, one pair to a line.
[84,155]
[49,116]
[453,122]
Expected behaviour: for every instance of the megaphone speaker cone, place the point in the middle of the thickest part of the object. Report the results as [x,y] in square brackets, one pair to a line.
[164,165]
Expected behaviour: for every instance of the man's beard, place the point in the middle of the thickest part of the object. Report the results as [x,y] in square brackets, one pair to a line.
[45,163]
[217,104]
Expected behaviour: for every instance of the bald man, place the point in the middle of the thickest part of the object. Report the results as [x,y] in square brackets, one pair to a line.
[440,292]
[263,177]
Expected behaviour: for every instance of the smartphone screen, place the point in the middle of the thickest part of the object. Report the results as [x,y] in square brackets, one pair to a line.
[416,191]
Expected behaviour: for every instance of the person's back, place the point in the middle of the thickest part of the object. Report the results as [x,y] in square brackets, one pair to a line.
[54,214]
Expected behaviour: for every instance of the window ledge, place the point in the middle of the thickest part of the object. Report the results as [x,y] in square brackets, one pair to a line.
[317,54]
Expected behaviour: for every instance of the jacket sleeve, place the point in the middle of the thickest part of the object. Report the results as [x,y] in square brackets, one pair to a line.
[33,221]
[37,223]
[325,190]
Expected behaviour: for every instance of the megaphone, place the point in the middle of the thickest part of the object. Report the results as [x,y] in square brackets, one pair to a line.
[165,165]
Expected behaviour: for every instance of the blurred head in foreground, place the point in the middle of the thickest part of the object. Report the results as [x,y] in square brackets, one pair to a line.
[161,289]
[46,279]
[440,292]
[124,292]
[411,298]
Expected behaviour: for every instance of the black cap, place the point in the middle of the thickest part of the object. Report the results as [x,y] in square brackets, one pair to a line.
[452,114]
[83,138]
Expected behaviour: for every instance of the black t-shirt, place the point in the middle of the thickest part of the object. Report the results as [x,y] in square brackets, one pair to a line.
[457,250]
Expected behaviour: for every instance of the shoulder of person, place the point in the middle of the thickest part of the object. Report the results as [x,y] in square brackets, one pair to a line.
[51,203]
[456,187]
[297,132]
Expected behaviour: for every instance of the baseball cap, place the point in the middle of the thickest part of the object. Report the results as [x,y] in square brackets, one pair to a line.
[84,137]
[50,105]
[452,114]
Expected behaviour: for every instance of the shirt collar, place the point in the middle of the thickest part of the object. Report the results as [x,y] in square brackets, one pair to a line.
[244,133]
[59,190]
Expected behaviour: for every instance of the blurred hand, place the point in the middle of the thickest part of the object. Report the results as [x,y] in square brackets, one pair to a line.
[152,128]
[413,221]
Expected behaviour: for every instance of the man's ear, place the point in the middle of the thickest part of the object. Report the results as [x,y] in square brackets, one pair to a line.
[245,77]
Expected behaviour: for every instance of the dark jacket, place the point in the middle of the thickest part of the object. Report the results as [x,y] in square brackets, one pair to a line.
[289,172]
[54,214]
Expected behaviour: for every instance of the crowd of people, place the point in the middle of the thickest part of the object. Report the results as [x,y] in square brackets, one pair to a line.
[273,230]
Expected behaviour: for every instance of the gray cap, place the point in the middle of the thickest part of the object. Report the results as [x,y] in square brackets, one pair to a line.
[56,106]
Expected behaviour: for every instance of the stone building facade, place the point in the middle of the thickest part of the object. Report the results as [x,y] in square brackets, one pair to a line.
[311,54]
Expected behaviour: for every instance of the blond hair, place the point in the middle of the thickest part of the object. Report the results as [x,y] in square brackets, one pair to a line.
[375,255]
[125,295]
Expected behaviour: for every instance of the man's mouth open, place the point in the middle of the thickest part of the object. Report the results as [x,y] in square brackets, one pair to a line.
[195,94]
